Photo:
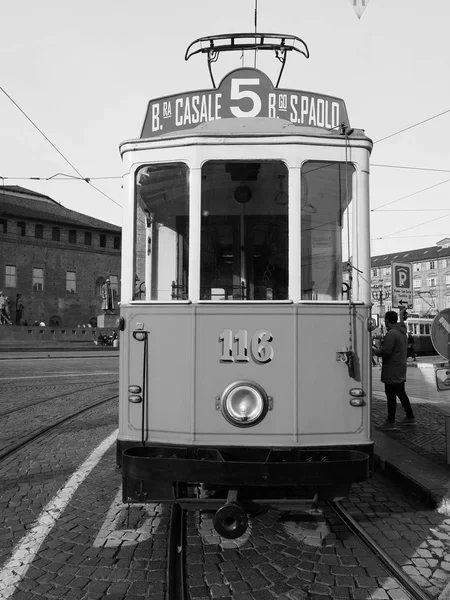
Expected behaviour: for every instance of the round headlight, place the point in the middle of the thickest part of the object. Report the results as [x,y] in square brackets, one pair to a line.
[244,403]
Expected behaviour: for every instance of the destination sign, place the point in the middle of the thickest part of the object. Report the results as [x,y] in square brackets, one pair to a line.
[243,93]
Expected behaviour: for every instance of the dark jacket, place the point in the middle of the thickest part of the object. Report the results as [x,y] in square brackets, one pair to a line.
[394,352]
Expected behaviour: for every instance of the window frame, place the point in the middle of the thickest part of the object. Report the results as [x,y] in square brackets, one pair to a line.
[37,280]
[11,278]
[71,289]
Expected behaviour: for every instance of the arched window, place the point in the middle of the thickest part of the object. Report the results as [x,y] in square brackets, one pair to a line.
[98,285]
[39,231]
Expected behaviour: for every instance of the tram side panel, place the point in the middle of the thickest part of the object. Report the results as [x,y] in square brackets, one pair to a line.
[194,353]
[325,414]
[164,372]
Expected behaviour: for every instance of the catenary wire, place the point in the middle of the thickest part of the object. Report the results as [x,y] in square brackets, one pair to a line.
[412,126]
[55,148]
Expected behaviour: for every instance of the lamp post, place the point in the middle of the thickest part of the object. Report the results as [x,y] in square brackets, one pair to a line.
[380,294]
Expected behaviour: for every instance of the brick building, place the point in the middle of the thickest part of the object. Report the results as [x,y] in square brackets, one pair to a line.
[56,258]
[431,279]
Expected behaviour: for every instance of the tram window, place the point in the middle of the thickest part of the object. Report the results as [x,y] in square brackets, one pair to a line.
[244,231]
[161,252]
[326,228]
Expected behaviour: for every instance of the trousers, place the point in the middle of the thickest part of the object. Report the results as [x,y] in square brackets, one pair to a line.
[394,391]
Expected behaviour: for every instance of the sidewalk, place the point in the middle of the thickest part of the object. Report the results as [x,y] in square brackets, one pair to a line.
[416,454]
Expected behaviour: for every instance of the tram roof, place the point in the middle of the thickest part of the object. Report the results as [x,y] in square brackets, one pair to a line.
[262,127]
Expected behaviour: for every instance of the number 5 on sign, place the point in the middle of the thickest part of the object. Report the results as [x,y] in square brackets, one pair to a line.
[260,348]
[237,94]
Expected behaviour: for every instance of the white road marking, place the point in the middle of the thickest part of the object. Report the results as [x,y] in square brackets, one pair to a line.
[26,550]
[110,536]
[68,374]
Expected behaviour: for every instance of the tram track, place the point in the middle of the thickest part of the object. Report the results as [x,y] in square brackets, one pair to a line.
[37,434]
[176,587]
[414,591]
[12,411]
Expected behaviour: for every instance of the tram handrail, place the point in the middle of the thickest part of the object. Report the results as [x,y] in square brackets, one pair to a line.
[280,43]
[259,43]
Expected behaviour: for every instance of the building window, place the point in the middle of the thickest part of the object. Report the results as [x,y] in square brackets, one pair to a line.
[424,266]
[38,280]
[417,282]
[98,285]
[431,281]
[21,228]
[374,272]
[116,242]
[3,226]
[71,282]
[87,238]
[102,240]
[417,302]
[39,231]
[416,267]
[447,280]
[72,236]
[432,264]
[10,276]
[56,234]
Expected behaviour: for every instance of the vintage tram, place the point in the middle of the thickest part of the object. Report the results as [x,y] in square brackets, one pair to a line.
[245,353]
[420,329]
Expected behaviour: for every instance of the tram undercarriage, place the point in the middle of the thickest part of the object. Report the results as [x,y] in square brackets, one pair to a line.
[233,480]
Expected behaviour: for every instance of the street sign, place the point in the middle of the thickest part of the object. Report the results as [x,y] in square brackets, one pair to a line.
[401,285]
[442,377]
[440,333]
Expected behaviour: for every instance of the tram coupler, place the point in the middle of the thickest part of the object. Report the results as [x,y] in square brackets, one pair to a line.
[231,520]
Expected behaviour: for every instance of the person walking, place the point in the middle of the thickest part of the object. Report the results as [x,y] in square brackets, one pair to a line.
[393,352]
[411,353]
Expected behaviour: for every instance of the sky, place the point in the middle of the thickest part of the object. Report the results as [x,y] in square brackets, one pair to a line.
[84,72]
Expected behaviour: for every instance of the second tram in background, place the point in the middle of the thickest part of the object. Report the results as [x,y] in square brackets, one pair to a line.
[245,362]
[420,329]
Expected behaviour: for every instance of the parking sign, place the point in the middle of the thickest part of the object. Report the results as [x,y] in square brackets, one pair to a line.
[401,285]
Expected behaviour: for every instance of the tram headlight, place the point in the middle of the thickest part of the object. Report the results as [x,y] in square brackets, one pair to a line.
[244,403]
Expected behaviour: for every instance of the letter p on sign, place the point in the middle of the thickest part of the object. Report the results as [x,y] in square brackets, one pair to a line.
[402,277]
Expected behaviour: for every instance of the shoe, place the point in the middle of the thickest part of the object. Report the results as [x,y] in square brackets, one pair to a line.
[408,421]
[387,426]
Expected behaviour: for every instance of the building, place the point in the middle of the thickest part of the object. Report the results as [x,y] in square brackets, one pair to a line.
[431,279]
[56,258]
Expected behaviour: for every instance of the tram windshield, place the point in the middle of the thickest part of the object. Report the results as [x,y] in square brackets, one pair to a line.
[161,253]
[244,236]
[326,228]
[244,231]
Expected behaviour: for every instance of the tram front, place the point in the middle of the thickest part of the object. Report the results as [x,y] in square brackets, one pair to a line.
[245,346]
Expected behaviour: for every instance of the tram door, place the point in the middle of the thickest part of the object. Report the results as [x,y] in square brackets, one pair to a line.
[244,233]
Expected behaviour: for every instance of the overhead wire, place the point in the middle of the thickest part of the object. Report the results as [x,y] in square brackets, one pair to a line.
[387,137]
[413,168]
[86,179]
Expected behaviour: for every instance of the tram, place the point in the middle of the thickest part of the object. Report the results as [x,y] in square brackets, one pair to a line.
[245,361]
[420,329]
